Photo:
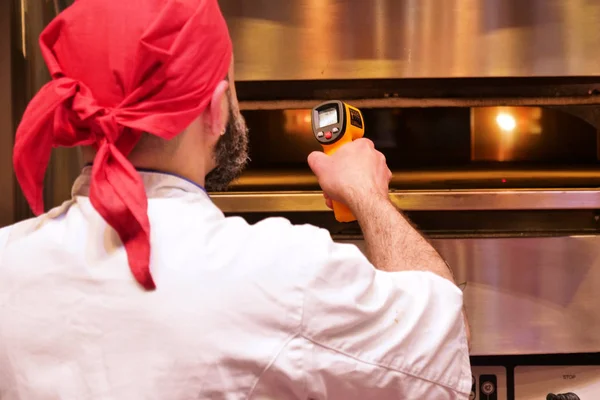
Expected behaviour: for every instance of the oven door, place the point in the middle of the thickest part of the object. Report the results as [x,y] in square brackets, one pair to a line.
[467,160]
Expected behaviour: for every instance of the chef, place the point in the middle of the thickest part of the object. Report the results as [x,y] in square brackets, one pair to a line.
[138,287]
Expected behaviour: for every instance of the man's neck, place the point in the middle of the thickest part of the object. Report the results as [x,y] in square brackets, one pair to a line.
[175,165]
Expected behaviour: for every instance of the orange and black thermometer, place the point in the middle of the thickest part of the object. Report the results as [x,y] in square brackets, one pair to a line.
[334,124]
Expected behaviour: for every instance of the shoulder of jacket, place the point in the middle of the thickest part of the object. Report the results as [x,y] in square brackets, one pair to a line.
[278,240]
[24,228]
[282,229]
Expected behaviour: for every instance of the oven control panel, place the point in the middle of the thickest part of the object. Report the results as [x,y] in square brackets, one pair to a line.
[489,383]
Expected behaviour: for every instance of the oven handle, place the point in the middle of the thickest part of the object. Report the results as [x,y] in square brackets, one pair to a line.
[438,200]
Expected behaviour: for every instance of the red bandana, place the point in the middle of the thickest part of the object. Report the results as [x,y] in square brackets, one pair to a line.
[120,68]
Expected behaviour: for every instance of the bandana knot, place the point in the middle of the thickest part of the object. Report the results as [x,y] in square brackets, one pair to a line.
[120,68]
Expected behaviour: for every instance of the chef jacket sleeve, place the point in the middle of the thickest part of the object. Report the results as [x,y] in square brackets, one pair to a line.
[374,334]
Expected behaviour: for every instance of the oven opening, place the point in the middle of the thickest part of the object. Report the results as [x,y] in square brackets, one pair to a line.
[437,148]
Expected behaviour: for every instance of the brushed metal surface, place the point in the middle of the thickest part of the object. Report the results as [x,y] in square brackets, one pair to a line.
[279,179]
[407,102]
[349,39]
[528,296]
[442,200]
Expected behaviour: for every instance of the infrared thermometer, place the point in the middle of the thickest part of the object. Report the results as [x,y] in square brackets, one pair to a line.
[334,124]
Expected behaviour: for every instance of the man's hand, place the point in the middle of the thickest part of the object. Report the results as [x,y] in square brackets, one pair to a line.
[353,174]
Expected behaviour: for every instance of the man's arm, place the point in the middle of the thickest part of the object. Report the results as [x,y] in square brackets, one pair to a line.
[393,244]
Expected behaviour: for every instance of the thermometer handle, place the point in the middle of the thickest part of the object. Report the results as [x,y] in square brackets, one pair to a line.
[342,212]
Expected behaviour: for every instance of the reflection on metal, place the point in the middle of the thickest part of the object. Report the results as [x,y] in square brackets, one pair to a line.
[349,39]
[23,25]
[400,102]
[449,200]
[528,296]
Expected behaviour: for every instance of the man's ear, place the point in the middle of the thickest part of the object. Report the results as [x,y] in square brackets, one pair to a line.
[219,107]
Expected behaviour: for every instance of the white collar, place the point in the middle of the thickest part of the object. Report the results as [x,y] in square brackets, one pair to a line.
[157,184]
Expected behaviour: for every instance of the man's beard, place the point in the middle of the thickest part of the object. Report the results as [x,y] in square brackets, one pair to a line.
[231,154]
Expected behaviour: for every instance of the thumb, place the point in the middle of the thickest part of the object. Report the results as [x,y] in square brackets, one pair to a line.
[317,160]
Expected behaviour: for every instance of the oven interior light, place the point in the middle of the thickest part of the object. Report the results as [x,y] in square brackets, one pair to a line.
[506,122]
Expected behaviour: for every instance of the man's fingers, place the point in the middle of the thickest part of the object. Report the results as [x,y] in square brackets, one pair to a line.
[328,201]
[316,161]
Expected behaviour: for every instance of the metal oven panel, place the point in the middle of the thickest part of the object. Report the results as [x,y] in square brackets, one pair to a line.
[370,39]
[528,295]
[536,382]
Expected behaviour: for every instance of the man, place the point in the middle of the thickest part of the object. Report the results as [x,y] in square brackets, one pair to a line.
[139,287]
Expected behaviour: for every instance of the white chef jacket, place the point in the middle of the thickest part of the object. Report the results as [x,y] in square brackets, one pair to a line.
[264,311]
